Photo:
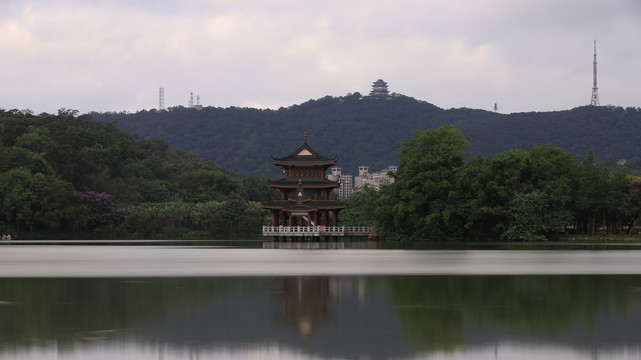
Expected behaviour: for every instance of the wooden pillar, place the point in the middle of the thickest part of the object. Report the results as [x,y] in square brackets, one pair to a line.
[335,213]
[274,217]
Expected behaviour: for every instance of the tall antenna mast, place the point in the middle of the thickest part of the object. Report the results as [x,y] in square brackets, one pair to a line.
[191,99]
[161,98]
[595,89]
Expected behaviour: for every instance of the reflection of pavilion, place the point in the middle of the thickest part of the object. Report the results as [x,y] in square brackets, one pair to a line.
[305,302]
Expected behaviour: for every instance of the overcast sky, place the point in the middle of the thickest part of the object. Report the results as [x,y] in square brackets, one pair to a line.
[113,55]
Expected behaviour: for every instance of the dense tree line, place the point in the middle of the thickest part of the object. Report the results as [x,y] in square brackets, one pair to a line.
[67,173]
[517,195]
[368,131]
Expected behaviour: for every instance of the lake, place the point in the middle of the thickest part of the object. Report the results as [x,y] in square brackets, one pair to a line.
[219,302]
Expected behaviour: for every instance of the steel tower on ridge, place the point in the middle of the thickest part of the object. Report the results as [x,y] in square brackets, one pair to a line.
[595,89]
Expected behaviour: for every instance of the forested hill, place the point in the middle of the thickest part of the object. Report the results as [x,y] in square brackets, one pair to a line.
[363,130]
[78,153]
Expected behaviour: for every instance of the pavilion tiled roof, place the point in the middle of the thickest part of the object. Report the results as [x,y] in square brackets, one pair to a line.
[304,155]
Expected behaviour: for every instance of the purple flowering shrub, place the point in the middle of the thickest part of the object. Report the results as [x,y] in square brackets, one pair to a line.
[100,206]
[632,201]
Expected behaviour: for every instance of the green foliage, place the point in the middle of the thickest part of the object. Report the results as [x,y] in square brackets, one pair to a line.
[20,190]
[516,196]
[61,208]
[632,202]
[526,193]
[48,161]
[528,217]
[242,139]
[424,182]
[372,130]
[361,210]
[225,219]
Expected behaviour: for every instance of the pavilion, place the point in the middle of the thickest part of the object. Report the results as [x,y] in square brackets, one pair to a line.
[304,191]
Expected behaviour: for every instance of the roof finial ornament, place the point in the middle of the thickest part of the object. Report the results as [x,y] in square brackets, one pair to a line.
[305,137]
[300,191]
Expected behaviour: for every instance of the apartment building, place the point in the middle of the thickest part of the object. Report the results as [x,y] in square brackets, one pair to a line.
[350,184]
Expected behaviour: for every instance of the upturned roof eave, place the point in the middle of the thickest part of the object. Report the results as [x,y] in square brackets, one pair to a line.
[309,209]
[294,156]
[304,187]
[300,160]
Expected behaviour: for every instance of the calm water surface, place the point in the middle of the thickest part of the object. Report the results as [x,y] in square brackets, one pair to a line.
[162,302]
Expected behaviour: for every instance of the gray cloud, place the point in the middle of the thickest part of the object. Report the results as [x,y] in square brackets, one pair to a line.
[113,55]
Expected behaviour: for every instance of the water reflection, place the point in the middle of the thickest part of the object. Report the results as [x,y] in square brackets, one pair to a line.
[377,317]
[304,302]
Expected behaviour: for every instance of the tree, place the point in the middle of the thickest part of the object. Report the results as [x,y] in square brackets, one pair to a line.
[20,191]
[509,177]
[61,207]
[476,200]
[361,208]
[551,174]
[37,139]
[528,221]
[632,203]
[586,197]
[422,186]
[615,199]
[101,208]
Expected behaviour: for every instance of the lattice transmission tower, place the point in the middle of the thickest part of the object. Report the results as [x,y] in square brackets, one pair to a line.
[595,89]
[161,98]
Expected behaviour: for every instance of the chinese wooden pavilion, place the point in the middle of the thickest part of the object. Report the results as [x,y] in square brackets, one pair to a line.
[304,193]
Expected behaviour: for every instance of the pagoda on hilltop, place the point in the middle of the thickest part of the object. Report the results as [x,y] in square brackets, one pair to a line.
[304,193]
[379,89]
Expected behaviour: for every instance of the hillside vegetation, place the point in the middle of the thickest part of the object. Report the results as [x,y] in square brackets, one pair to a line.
[363,130]
[66,173]
[515,196]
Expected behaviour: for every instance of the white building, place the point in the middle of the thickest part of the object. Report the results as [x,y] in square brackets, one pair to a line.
[350,184]
[375,180]
[346,182]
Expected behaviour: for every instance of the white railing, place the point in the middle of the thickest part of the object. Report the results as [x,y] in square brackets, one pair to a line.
[319,230]
[359,230]
[304,245]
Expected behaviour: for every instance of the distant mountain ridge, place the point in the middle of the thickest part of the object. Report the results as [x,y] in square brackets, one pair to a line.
[364,130]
